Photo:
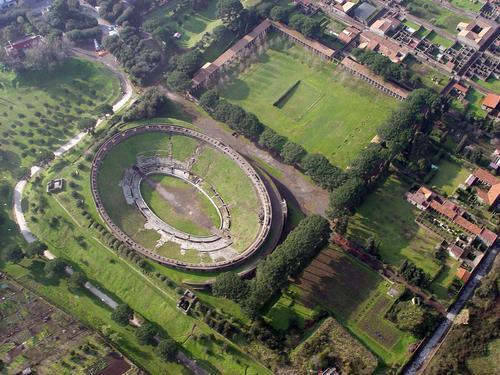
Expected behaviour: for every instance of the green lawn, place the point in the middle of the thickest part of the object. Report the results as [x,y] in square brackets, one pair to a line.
[192,25]
[449,176]
[167,212]
[472,5]
[491,84]
[474,99]
[323,111]
[411,25]
[436,15]
[357,297]
[439,40]
[388,217]
[336,25]
[39,110]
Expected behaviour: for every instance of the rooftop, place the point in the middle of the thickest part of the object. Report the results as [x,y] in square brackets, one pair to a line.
[491,101]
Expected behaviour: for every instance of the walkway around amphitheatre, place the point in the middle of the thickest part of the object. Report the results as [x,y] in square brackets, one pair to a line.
[310,197]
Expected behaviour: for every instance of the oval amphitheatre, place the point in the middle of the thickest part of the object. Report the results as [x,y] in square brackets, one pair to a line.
[180,197]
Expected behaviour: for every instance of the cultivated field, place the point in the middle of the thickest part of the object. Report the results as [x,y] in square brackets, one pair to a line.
[192,25]
[358,298]
[433,13]
[328,110]
[214,167]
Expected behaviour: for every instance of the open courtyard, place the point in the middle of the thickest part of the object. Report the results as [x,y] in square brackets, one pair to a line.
[312,102]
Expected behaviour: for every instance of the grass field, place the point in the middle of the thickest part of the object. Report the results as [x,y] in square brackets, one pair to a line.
[167,212]
[192,25]
[323,113]
[358,298]
[39,111]
[475,98]
[436,15]
[431,78]
[449,176]
[472,5]
[124,281]
[491,84]
[388,217]
[439,40]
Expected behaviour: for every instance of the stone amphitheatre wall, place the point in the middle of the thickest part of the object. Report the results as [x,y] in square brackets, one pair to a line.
[259,187]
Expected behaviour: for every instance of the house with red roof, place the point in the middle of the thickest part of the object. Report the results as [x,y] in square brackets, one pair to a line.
[491,104]
[487,186]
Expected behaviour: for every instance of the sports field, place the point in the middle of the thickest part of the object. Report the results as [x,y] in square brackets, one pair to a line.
[192,25]
[325,109]
[214,167]
[435,14]
[185,207]
[358,298]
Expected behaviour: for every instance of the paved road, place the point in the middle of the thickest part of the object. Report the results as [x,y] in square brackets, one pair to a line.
[428,350]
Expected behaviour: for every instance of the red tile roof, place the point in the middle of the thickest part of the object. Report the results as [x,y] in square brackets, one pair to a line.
[467,225]
[463,274]
[444,209]
[457,251]
[491,101]
[488,237]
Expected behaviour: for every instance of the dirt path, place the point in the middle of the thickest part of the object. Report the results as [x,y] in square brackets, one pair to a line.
[310,197]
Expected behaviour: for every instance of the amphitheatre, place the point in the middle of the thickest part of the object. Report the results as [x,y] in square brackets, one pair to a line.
[180,197]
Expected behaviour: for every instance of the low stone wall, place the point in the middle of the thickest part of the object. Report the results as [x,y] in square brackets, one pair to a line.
[257,183]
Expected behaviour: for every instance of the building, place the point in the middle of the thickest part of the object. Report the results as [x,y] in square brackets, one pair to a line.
[491,104]
[349,34]
[364,73]
[246,45]
[427,200]
[306,6]
[486,185]
[495,160]
[459,91]
[388,48]
[55,186]
[18,47]
[187,300]
[384,26]
[463,274]
[477,33]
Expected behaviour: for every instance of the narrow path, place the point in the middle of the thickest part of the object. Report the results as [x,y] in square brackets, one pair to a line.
[310,197]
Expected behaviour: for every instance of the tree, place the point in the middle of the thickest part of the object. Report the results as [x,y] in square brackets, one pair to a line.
[12,253]
[230,285]
[35,248]
[86,125]
[310,28]
[146,334]
[209,100]
[166,350]
[189,62]
[228,10]
[54,267]
[322,171]
[279,13]
[346,197]
[77,280]
[179,81]
[410,317]
[292,153]
[372,247]
[122,314]
[341,225]
[272,141]
[104,109]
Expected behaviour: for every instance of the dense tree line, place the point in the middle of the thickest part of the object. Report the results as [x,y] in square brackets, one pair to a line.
[308,26]
[399,145]
[151,104]
[68,16]
[272,273]
[139,57]
[383,66]
[414,274]
[315,165]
